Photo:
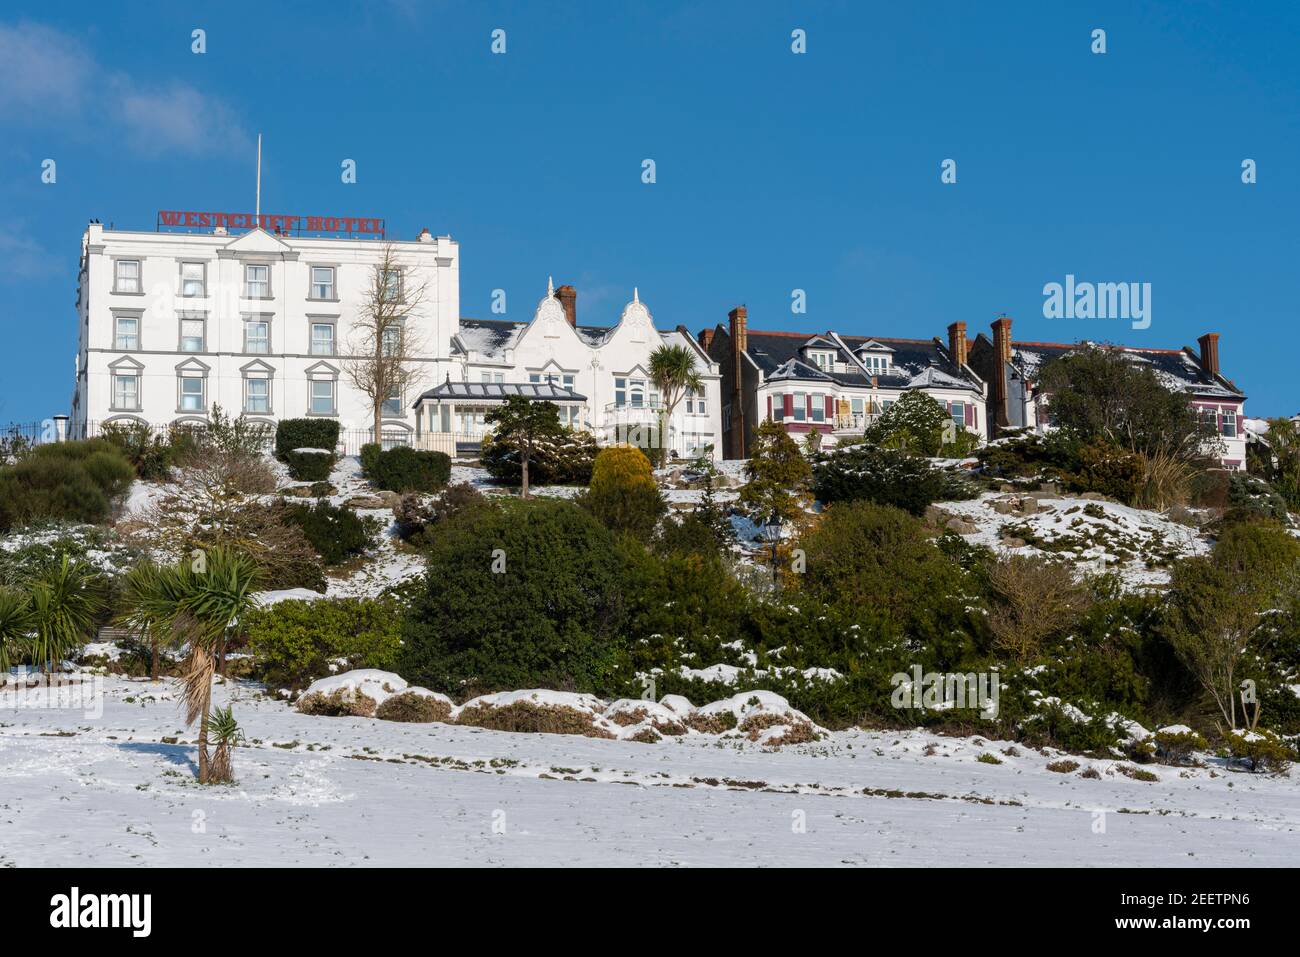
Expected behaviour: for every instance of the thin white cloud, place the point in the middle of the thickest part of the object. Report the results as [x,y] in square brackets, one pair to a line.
[48,77]
[23,259]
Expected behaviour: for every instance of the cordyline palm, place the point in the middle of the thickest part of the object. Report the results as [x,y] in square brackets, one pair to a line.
[142,586]
[198,603]
[672,369]
[16,623]
[65,600]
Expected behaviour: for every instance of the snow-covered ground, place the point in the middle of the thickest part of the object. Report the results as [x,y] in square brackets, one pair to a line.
[118,789]
[1138,545]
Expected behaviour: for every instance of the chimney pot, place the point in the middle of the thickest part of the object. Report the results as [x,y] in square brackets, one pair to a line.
[705,339]
[568,297]
[1209,344]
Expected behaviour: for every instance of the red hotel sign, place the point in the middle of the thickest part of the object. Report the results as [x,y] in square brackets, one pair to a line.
[271,222]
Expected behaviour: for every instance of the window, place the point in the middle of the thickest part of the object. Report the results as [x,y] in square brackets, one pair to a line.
[490,377]
[823,360]
[257,395]
[322,282]
[393,285]
[322,338]
[126,275]
[778,407]
[257,282]
[800,406]
[126,392]
[191,335]
[876,363]
[1228,424]
[192,393]
[192,279]
[818,407]
[555,378]
[257,336]
[637,393]
[322,396]
[958,412]
[855,404]
[392,339]
[695,401]
[127,336]
[393,404]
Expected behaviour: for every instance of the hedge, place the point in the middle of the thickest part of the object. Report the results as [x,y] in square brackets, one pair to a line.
[293,434]
[403,469]
[309,465]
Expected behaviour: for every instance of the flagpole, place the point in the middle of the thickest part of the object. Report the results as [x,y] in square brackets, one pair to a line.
[259,179]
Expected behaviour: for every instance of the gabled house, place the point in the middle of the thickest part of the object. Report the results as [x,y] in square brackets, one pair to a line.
[833,384]
[599,377]
[1011,368]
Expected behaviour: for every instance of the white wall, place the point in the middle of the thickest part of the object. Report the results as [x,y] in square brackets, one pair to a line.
[551,345]
[223,359]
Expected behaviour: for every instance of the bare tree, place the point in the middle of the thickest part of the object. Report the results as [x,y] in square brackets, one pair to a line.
[384,338]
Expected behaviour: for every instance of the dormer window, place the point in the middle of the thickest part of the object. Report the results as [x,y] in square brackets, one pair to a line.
[822,359]
[876,363]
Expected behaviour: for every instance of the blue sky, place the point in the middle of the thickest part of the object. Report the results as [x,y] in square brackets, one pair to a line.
[775,171]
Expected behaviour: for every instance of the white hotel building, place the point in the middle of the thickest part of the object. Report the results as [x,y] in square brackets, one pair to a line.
[173,323]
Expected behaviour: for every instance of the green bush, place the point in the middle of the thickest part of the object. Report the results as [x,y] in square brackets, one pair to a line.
[404,469]
[293,434]
[564,458]
[295,642]
[861,549]
[886,477]
[369,457]
[70,481]
[335,531]
[415,513]
[920,425]
[308,465]
[411,706]
[623,495]
[1107,469]
[520,594]
[148,452]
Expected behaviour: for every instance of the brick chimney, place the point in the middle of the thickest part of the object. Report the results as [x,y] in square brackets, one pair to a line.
[1209,344]
[957,342]
[739,344]
[705,339]
[568,297]
[739,320]
[1001,358]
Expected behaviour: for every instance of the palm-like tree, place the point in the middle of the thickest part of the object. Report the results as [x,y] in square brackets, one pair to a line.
[142,586]
[226,734]
[66,598]
[672,369]
[217,593]
[15,626]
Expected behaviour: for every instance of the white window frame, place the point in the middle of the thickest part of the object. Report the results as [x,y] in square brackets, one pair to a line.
[313,291]
[182,394]
[249,283]
[139,277]
[257,320]
[248,396]
[333,395]
[117,333]
[202,280]
[311,345]
[203,336]
[119,406]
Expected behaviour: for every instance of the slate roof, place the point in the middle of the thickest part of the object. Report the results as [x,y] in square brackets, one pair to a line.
[914,363]
[492,337]
[1178,369]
